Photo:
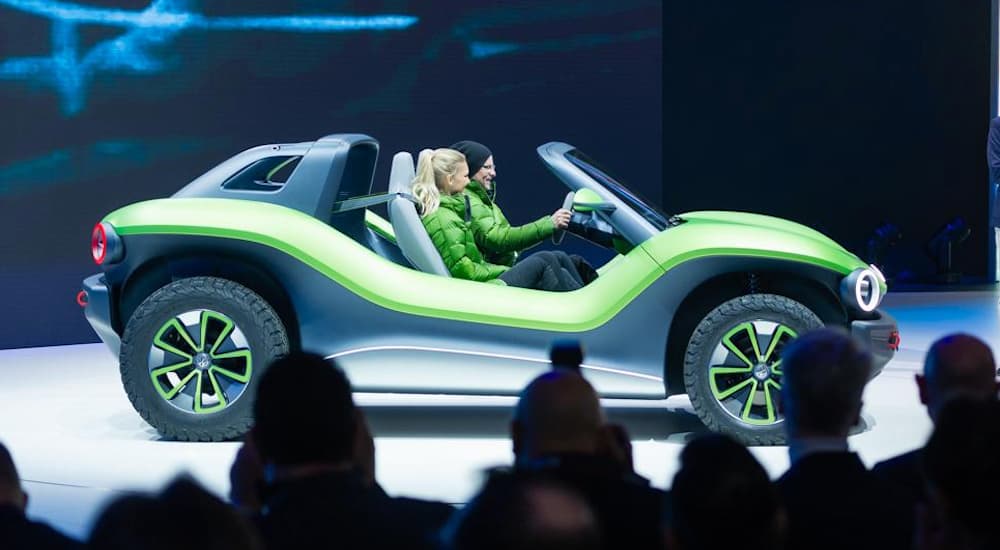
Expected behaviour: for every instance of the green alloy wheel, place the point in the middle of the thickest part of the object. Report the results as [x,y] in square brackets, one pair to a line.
[192,355]
[732,368]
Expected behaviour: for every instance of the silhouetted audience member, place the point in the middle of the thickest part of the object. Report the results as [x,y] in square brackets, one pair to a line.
[523,512]
[559,430]
[16,530]
[961,462]
[831,498]
[182,515]
[955,365]
[312,455]
[721,497]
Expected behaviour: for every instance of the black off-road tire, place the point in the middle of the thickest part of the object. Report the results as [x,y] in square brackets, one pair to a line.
[738,321]
[159,317]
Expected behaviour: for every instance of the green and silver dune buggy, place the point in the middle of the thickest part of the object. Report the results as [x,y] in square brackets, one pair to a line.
[278,248]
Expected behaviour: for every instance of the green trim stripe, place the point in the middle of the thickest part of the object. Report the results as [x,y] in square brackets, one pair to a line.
[380,225]
[398,288]
[351,265]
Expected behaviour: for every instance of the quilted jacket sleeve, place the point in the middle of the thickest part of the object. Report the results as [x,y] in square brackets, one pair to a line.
[453,239]
[495,234]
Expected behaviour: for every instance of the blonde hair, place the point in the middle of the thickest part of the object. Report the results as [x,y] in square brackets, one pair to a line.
[434,166]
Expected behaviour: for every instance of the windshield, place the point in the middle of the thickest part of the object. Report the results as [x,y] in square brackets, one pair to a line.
[651,213]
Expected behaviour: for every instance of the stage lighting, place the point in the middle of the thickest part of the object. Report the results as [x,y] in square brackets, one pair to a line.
[940,246]
[884,237]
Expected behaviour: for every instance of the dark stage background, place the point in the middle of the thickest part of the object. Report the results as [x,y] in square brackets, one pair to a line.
[839,115]
[96,116]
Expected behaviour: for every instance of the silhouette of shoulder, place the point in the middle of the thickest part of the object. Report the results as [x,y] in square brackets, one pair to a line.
[831,497]
[18,532]
[341,510]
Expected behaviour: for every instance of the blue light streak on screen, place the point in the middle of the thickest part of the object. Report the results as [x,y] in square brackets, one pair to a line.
[69,73]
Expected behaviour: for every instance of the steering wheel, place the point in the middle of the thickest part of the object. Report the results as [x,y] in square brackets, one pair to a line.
[558,234]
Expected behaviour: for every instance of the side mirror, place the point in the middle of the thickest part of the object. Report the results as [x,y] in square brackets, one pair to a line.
[586,200]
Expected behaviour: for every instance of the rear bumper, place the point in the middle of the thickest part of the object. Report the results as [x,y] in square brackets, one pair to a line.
[881,335]
[98,311]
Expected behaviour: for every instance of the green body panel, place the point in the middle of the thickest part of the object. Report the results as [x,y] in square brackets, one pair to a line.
[351,265]
[712,233]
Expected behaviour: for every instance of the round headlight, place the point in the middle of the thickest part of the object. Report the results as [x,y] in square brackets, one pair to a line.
[861,290]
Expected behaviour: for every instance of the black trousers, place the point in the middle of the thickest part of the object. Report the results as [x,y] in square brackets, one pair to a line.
[551,270]
[583,267]
[544,270]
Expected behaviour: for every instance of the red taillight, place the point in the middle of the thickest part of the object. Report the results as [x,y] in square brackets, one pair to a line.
[894,340]
[81,298]
[99,243]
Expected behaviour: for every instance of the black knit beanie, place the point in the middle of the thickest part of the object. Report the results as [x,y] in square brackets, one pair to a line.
[475,154]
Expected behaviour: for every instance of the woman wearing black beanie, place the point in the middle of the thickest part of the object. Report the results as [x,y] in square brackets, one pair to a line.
[499,241]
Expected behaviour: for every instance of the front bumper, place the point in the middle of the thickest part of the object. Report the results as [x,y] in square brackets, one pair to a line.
[98,311]
[881,335]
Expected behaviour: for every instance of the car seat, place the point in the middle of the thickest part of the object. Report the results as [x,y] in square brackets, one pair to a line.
[411,235]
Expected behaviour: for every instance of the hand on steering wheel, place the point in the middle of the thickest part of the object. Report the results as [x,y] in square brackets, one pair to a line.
[558,234]
[560,218]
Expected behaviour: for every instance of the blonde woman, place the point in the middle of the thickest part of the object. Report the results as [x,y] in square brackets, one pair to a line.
[442,175]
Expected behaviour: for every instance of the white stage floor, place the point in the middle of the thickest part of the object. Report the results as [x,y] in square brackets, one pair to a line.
[78,442]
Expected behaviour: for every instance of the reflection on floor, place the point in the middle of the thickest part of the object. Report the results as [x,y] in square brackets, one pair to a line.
[78,442]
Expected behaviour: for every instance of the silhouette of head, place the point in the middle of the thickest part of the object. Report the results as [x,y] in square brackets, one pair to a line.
[956,365]
[825,372]
[304,412]
[558,412]
[183,512]
[11,492]
[717,478]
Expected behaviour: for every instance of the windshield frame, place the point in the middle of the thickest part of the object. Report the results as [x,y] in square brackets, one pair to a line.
[650,212]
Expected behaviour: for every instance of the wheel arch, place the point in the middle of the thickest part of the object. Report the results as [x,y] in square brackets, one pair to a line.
[154,273]
[811,286]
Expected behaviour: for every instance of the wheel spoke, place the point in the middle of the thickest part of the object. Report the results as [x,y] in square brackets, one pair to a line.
[751,334]
[720,395]
[236,377]
[168,395]
[725,369]
[211,340]
[169,368]
[224,364]
[199,395]
[182,337]
[749,404]
[772,399]
[782,334]
[770,403]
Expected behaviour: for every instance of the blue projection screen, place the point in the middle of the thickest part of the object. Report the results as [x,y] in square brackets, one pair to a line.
[108,102]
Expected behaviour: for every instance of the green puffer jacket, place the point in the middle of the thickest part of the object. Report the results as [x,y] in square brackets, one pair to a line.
[450,233]
[494,235]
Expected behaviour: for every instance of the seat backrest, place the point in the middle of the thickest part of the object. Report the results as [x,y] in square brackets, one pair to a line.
[411,235]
